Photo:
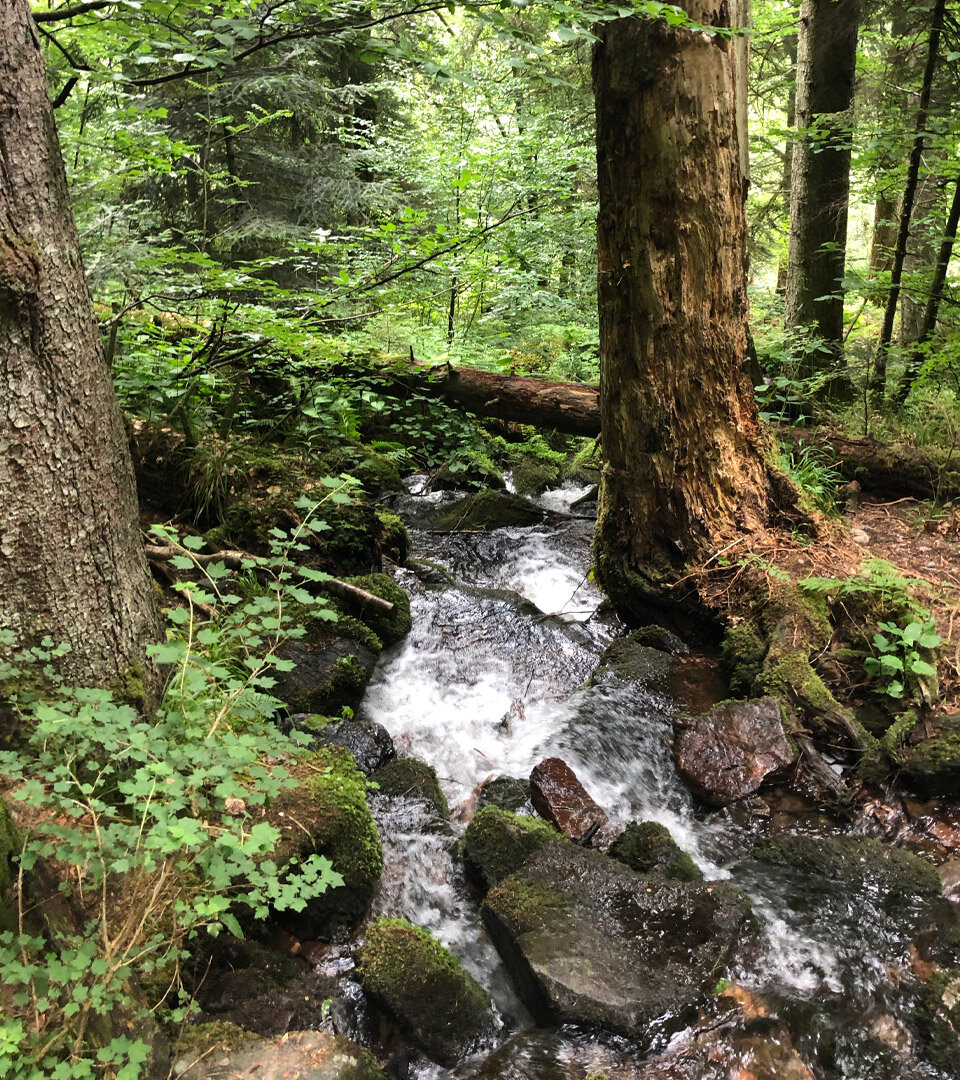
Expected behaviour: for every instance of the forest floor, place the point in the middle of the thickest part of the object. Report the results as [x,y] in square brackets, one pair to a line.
[927,550]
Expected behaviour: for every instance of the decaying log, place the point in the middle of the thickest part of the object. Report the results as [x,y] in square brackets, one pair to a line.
[894,472]
[239,560]
[569,407]
[574,408]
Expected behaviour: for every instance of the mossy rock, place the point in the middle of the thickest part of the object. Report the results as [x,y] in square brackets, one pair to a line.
[631,659]
[531,476]
[330,671]
[485,511]
[743,652]
[409,777]
[507,792]
[937,1018]
[933,766]
[11,844]
[388,628]
[351,538]
[378,474]
[309,1055]
[497,843]
[648,847]
[425,987]
[327,813]
[394,537]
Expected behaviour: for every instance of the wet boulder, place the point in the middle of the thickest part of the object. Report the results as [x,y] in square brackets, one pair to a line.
[648,848]
[507,792]
[368,742]
[426,989]
[853,889]
[560,798]
[497,843]
[590,941]
[486,510]
[933,766]
[411,778]
[327,814]
[727,753]
[307,1055]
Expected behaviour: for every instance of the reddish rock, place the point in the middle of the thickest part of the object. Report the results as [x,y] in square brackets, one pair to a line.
[728,752]
[558,796]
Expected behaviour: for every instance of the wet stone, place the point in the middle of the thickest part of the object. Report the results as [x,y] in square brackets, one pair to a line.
[368,742]
[589,941]
[726,754]
[307,1055]
[558,796]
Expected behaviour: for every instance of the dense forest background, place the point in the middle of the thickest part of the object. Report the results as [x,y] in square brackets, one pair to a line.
[265,197]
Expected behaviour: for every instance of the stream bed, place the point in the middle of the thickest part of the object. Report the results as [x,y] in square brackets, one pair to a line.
[506,628]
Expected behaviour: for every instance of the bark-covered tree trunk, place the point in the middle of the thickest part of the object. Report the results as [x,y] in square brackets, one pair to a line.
[71,559]
[685,455]
[820,179]
[909,196]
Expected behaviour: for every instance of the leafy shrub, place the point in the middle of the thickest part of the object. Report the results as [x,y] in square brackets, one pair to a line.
[150,819]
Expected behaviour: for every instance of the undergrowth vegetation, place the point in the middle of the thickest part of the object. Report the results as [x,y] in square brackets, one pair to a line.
[150,822]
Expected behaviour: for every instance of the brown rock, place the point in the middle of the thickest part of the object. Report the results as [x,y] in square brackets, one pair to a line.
[727,753]
[558,796]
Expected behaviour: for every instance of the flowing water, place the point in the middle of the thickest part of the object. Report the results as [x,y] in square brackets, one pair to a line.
[507,627]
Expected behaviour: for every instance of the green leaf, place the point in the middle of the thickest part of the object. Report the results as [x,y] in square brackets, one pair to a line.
[921,667]
[193,543]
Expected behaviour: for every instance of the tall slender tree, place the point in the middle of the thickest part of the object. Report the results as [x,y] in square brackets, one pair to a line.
[72,566]
[820,180]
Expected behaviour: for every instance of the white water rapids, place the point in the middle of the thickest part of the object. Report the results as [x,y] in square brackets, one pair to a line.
[486,685]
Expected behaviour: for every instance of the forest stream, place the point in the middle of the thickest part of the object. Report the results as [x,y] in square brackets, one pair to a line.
[494,678]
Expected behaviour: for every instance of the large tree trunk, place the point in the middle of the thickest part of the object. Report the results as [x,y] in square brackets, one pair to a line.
[685,455]
[72,565]
[820,180]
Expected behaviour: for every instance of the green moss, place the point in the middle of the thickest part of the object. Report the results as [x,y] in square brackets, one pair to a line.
[933,766]
[531,476]
[790,677]
[412,778]
[743,651]
[647,847]
[497,843]
[525,906]
[376,473]
[394,538]
[194,1039]
[328,813]
[388,628]
[937,1018]
[128,687]
[426,988]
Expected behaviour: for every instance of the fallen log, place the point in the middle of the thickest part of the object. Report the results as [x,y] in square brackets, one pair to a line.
[572,408]
[890,472]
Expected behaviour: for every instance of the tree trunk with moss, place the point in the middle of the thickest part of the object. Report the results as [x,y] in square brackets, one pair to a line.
[686,458]
[72,566]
